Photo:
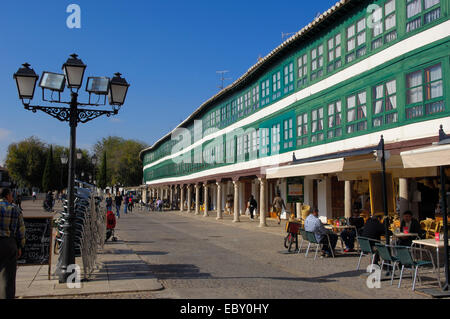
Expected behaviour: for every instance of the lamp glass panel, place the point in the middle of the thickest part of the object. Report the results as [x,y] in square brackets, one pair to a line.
[117,94]
[26,86]
[98,85]
[52,81]
[74,76]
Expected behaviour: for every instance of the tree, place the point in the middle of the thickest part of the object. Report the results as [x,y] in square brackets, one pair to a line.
[102,175]
[25,162]
[123,164]
[49,175]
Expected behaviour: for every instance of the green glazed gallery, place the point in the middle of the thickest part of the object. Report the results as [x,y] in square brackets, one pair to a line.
[304,121]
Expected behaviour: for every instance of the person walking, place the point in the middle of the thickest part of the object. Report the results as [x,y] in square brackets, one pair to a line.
[108,203]
[118,201]
[130,203]
[125,204]
[252,205]
[278,205]
[34,196]
[12,241]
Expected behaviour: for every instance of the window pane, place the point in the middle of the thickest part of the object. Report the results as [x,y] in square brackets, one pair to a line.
[391,87]
[351,102]
[389,7]
[413,8]
[361,25]
[351,31]
[390,22]
[351,115]
[378,107]
[434,73]
[414,95]
[436,90]
[414,79]
[430,3]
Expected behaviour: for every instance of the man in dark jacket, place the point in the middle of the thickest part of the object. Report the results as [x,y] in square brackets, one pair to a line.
[373,229]
[412,225]
[252,205]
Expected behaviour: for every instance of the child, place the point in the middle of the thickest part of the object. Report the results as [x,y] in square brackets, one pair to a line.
[110,225]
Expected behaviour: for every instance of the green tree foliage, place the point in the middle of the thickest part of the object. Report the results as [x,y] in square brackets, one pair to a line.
[123,164]
[49,175]
[25,162]
[102,174]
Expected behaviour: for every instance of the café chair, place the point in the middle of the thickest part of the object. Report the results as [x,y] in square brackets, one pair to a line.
[366,249]
[405,259]
[312,240]
[304,238]
[387,258]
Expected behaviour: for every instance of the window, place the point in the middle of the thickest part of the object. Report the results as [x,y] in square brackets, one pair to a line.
[255,98]
[276,85]
[234,110]
[356,40]
[230,150]
[288,78]
[240,106]
[357,112]
[247,103]
[384,108]
[228,113]
[302,65]
[213,119]
[334,53]
[424,92]
[265,91]
[275,138]
[334,119]
[240,147]
[317,62]
[384,30]
[217,117]
[302,129]
[224,115]
[288,134]
[421,12]
[317,125]
[255,141]
[264,141]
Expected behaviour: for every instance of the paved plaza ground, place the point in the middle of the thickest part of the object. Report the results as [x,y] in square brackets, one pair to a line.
[181,255]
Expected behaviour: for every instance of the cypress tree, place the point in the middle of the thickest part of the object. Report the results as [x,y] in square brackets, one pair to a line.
[102,178]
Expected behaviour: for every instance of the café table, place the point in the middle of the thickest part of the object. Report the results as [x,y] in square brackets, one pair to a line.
[339,229]
[435,244]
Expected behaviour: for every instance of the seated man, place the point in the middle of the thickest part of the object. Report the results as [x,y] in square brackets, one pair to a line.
[374,229]
[349,235]
[412,225]
[314,225]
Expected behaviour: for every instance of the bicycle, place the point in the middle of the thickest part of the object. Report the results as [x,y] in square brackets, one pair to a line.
[292,236]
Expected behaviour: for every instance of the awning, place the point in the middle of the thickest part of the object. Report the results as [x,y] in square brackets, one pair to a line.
[306,169]
[432,156]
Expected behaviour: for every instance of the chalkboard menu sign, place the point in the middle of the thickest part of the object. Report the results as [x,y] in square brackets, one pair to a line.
[38,234]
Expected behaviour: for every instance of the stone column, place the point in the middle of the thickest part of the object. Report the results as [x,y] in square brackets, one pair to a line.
[181,198]
[197,199]
[236,202]
[219,200]
[205,202]
[348,199]
[262,202]
[171,196]
[403,195]
[189,198]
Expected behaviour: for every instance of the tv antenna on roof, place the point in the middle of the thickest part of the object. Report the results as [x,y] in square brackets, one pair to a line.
[222,78]
[286,35]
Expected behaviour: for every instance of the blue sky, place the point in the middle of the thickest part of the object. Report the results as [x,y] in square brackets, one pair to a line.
[169,51]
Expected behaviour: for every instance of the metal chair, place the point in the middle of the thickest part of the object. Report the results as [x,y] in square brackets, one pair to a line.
[312,240]
[405,258]
[304,237]
[387,258]
[366,249]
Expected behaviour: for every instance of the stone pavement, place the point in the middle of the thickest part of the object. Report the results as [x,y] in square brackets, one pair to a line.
[119,270]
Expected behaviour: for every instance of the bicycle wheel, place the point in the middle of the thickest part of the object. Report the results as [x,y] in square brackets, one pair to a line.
[287,239]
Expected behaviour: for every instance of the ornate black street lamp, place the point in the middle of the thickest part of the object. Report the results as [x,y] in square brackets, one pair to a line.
[116,90]
[94,163]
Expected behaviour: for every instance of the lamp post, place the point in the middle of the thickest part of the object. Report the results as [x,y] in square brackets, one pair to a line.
[116,90]
[94,163]
[64,160]
[79,157]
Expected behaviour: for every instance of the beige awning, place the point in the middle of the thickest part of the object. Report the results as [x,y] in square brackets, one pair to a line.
[306,169]
[432,156]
